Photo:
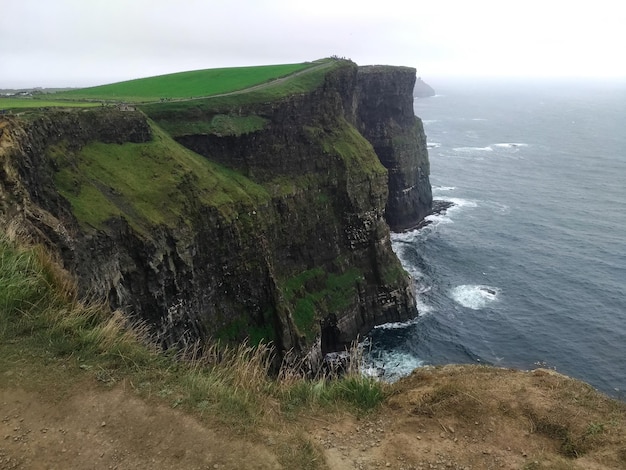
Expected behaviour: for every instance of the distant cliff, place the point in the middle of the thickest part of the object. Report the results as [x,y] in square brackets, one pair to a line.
[250,217]
[423,89]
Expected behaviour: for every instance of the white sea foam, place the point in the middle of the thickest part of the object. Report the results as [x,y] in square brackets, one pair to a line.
[443,188]
[429,121]
[488,148]
[510,145]
[422,307]
[459,203]
[434,221]
[433,145]
[479,119]
[498,207]
[475,296]
[409,236]
[390,365]
[395,325]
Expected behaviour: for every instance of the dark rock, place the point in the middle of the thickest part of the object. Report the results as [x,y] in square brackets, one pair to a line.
[386,118]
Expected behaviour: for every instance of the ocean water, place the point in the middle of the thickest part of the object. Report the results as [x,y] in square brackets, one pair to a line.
[528,268]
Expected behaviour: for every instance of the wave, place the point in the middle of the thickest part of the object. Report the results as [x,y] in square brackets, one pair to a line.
[429,121]
[433,145]
[390,365]
[443,188]
[433,222]
[510,145]
[422,307]
[475,297]
[488,148]
[396,325]
[459,203]
[498,207]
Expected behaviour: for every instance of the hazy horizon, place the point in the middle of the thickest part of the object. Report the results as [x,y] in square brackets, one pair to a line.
[67,43]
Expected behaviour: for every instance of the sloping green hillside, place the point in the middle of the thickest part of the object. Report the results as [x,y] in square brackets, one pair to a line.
[185,85]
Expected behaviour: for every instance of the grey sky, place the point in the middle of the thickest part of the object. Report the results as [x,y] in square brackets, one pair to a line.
[89,42]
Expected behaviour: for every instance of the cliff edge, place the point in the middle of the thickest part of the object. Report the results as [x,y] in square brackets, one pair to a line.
[256,215]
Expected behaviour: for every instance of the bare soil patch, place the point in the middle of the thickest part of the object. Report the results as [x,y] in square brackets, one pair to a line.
[95,428]
[455,417]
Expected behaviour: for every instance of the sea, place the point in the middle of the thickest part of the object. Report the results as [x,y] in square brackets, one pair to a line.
[527,268]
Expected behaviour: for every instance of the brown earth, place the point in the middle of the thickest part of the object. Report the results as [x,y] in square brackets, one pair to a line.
[455,417]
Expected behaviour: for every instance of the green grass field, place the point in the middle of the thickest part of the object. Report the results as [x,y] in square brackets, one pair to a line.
[180,91]
[35,103]
[185,85]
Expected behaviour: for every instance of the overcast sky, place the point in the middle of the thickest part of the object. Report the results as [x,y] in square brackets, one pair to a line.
[88,42]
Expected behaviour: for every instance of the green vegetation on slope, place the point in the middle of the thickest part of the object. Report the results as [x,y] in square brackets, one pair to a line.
[315,293]
[151,183]
[185,85]
[221,125]
[354,149]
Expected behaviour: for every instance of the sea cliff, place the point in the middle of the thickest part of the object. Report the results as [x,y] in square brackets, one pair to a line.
[249,217]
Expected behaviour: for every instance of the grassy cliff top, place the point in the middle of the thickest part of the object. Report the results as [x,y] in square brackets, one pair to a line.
[270,81]
[186,85]
[302,81]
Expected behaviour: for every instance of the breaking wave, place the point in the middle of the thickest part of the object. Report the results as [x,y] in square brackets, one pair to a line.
[488,148]
[475,297]
[510,145]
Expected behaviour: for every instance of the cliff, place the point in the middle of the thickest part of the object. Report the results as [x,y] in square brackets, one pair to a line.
[249,216]
[386,118]
[423,89]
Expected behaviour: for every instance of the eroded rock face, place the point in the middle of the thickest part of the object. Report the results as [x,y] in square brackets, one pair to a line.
[316,244]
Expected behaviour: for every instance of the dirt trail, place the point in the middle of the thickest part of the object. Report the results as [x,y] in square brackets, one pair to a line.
[446,419]
[113,429]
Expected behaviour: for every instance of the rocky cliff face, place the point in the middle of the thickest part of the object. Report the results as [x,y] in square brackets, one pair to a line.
[385,117]
[283,239]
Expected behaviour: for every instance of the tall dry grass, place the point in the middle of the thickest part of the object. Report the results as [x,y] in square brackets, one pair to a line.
[41,306]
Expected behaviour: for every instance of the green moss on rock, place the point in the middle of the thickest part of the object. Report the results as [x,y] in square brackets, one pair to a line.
[315,293]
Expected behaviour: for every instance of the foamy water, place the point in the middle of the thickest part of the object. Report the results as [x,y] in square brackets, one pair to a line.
[475,297]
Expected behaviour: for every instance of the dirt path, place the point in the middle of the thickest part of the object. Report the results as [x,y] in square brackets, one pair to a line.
[446,419]
[113,429]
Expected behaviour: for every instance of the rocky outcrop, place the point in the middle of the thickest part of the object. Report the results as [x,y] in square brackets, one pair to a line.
[292,234]
[423,89]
